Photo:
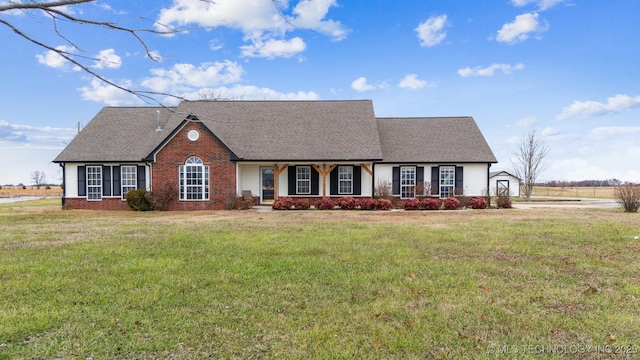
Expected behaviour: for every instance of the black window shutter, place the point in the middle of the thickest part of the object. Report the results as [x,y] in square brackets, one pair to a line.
[333,182]
[420,175]
[106,181]
[142,181]
[116,181]
[395,184]
[459,180]
[292,180]
[82,182]
[357,180]
[315,182]
[435,180]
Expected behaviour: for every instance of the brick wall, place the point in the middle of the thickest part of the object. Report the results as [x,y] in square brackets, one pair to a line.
[104,204]
[222,171]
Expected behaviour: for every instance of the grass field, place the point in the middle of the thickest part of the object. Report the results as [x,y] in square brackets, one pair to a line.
[481,284]
[30,191]
[601,192]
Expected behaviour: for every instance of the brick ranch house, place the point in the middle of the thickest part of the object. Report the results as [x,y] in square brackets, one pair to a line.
[211,150]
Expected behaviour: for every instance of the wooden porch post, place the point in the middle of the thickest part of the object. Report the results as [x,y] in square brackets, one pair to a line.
[324,172]
[276,174]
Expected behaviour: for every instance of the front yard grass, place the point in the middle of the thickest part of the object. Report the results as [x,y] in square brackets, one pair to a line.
[481,284]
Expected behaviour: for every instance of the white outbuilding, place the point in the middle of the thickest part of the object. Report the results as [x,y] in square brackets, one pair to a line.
[502,182]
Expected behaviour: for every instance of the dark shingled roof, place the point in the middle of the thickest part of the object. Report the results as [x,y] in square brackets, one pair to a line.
[433,140]
[291,130]
[283,131]
[119,134]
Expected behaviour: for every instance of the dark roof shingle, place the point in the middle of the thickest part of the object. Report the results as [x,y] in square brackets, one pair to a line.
[283,130]
[433,140]
[291,130]
[119,134]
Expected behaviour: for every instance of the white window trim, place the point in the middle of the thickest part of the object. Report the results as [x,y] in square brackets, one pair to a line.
[348,181]
[94,186]
[122,180]
[403,170]
[442,186]
[194,162]
[300,181]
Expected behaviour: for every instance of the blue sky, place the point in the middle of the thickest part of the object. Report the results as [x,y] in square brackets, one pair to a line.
[568,68]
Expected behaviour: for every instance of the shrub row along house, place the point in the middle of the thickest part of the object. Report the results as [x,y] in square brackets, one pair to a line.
[211,151]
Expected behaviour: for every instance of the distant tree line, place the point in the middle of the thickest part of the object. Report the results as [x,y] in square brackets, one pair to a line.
[583,183]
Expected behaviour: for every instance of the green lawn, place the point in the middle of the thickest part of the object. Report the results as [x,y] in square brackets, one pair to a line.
[476,284]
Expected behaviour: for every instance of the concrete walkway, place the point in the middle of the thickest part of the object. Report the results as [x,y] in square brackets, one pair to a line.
[566,203]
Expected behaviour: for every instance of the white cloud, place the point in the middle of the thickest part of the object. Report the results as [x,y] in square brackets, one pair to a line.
[107,59]
[412,82]
[155,55]
[520,28]
[186,77]
[43,135]
[361,85]
[542,4]
[274,48]
[53,60]
[527,121]
[490,70]
[608,131]
[431,31]
[310,14]
[549,131]
[264,23]
[101,92]
[584,109]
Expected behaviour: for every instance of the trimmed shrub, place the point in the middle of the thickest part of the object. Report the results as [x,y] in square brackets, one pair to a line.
[347,203]
[451,203]
[301,204]
[412,204]
[478,203]
[366,203]
[503,202]
[384,204]
[628,196]
[138,200]
[431,203]
[282,203]
[324,204]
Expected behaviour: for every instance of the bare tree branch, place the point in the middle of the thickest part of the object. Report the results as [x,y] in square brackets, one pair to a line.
[40,5]
[529,162]
[53,10]
[146,96]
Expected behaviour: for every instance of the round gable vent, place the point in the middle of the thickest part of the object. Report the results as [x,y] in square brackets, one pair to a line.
[193,135]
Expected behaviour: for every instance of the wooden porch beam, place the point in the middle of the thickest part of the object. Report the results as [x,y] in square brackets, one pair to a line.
[366,168]
[324,172]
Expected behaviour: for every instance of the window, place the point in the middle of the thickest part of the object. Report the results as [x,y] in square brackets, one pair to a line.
[345,179]
[303,179]
[407,182]
[447,181]
[194,180]
[94,182]
[128,179]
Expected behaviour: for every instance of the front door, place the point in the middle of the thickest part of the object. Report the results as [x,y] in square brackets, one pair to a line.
[266,181]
